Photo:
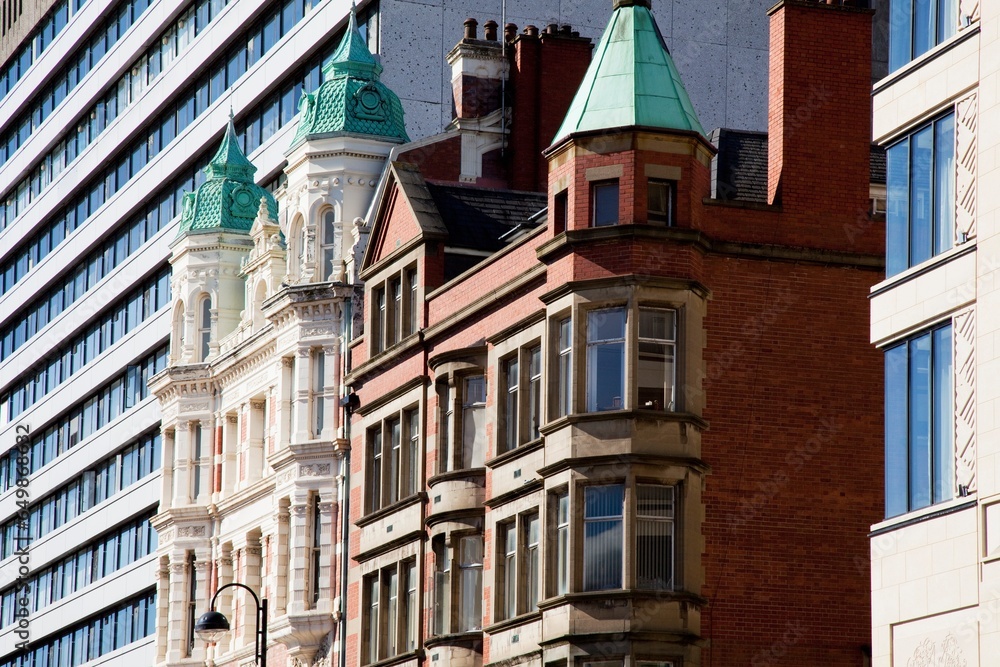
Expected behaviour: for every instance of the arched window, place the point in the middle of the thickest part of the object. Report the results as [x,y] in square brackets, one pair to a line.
[329,245]
[205,327]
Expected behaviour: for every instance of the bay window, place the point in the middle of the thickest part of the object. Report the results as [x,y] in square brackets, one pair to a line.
[474,422]
[458,604]
[520,402]
[920,199]
[919,413]
[519,574]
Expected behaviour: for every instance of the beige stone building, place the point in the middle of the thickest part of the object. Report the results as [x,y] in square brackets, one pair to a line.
[936,556]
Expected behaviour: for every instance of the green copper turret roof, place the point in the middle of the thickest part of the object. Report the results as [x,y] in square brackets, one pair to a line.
[229,199]
[631,81]
[351,98]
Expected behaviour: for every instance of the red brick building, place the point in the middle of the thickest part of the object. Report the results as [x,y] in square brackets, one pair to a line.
[633,420]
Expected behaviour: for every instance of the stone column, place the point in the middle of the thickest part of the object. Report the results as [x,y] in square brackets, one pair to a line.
[255,442]
[326,574]
[299,554]
[202,572]
[182,464]
[251,577]
[331,381]
[177,611]
[302,393]
[224,566]
[162,609]
[230,454]
[281,579]
[283,426]
[167,468]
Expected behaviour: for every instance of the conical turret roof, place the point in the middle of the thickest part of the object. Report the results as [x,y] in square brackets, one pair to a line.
[351,98]
[229,199]
[632,80]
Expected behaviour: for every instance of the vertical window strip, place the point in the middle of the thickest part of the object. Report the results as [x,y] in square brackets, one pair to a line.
[654,537]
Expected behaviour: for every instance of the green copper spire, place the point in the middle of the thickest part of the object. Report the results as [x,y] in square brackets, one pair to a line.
[229,199]
[351,98]
[632,80]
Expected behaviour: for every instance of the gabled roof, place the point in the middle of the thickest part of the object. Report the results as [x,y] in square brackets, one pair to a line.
[632,80]
[476,218]
[229,199]
[464,216]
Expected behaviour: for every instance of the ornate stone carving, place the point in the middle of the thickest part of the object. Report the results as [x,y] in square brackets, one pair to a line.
[286,362]
[965,400]
[299,511]
[191,531]
[927,654]
[966,165]
[257,405]
[232,419]
[314,470]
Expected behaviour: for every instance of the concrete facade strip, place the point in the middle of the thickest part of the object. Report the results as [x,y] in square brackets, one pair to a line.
[139,342]
[57,52]
[119,58]
[72,320]
[86,454]
[925,91]
[94,157]
[924,299]
[80,606]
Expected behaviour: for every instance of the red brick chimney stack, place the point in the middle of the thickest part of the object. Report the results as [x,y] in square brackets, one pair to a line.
[477,70]
[819,114]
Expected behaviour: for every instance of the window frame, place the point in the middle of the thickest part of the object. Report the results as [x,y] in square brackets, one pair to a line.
[902,221]
[379,478]
[597,204]
[938,467]
[390,613]
[667,216]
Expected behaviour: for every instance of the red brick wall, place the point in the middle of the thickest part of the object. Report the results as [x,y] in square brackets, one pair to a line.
[819,114]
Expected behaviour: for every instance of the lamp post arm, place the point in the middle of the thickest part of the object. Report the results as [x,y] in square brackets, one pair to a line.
[260,637]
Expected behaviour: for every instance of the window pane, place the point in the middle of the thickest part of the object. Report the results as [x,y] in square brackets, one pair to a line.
[923,26]
[654,536]
[921,204]
[562,544]
[509,591]
[373,591]
[602,535]
[565,367]
[944,183]
[510,404]
[605,203]
[920,426]
[474,423]
[655,372]
[411,610]
[471,584]
[534,392]
[532,578]
[606,360]
[943,406]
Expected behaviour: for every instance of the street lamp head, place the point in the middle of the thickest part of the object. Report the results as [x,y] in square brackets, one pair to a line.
[211,626]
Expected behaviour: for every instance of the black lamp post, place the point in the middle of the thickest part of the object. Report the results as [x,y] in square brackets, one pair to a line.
[213,624]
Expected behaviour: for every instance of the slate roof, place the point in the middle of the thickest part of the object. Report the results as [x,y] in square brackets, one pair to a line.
[741,168]
[476,218]
[632,80]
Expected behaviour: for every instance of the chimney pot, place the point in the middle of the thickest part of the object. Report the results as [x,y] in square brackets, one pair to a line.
[566,30]
[531,31]
[509,31]
[551,29]
[490,30]
[470,28]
